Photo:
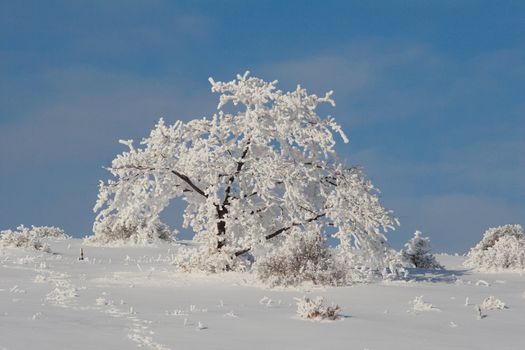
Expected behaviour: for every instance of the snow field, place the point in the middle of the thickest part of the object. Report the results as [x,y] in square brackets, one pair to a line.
[131,297]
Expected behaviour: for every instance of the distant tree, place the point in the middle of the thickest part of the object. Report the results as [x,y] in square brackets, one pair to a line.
[417,252]
[501,247]
[263,165]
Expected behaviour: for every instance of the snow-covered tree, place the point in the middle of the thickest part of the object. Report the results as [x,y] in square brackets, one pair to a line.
[262,166]
[417,253]
[502,247]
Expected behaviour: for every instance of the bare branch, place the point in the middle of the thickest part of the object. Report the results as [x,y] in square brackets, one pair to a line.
[189,182]
[281,230]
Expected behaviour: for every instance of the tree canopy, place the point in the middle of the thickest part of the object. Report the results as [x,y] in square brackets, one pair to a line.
[263,165]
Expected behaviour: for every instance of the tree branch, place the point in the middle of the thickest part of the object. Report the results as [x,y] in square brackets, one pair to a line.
[240,164]
[181,176]
[222,209]
[189,182]
[281,230]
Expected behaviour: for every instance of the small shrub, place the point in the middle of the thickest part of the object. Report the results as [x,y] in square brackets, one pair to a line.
[315,309]
[23,238]
[114,231]
[492,303]
[302,257]
[49,232]
[418,304]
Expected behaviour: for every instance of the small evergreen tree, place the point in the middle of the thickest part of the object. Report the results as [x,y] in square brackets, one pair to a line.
[418,254]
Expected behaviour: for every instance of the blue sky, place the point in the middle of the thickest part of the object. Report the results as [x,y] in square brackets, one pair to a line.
[431,93]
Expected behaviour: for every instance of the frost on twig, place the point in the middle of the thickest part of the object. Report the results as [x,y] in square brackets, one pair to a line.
[315,309]
[482,283]
[418,304]
[492,303]
[479,314]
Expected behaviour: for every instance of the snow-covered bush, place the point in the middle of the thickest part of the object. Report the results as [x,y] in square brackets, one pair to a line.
[502,247]
[132,231]
[263,165]
[49,232]
[315,309]
[492,235]
[417,253]
[302,257]
[24,237]
[418,304]
[492,303]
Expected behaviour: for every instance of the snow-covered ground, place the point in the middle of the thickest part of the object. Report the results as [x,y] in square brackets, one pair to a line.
[123,298]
